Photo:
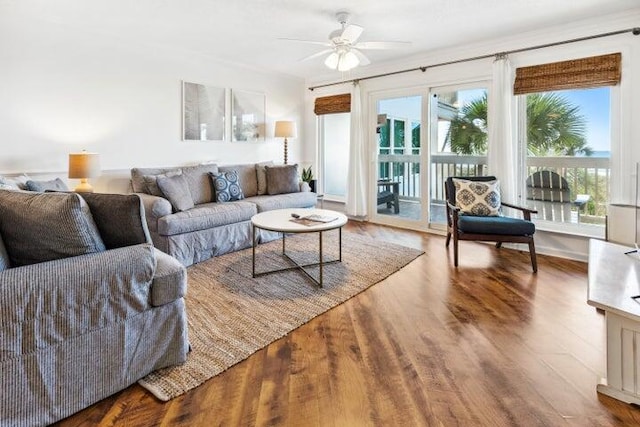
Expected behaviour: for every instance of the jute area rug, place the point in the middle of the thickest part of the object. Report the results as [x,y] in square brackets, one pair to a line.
[232,315]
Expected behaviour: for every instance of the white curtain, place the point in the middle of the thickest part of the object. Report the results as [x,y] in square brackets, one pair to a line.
[503,152]
[357,177]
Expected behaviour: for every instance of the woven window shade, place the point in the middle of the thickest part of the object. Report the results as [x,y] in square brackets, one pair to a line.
[333,104]
[594,71]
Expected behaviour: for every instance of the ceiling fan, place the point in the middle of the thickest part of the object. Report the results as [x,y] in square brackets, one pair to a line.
[343,47]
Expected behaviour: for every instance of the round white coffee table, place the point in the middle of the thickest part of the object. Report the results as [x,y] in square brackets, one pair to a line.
[282,221]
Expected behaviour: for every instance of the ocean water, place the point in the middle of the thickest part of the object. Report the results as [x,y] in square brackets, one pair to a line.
[598,153]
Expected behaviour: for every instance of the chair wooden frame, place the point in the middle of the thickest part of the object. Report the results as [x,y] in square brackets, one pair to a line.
[389,193]
[453,213]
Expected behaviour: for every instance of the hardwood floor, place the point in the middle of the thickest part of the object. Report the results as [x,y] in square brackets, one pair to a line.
[487,344]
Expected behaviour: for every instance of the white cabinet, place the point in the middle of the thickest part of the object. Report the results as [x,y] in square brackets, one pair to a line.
[614,279]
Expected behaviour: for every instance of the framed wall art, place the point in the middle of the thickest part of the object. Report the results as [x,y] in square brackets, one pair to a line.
[248,117]
[203,109]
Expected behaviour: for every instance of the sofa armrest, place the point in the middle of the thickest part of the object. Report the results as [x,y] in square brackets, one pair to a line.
[170,280]
[304,187]
[44,304]
[155,207]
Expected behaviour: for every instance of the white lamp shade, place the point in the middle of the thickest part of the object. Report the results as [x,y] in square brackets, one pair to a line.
[285,129]
[332,61]
[348,61]
[84,165]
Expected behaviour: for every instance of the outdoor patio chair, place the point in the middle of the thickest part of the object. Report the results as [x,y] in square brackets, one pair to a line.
[389,194]
[550,195]
[481,227]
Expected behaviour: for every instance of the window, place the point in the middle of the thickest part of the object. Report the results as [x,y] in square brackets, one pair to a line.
[565,133]
[567,146]
[335,134]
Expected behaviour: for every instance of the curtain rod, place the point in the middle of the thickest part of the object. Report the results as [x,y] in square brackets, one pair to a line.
[635,31]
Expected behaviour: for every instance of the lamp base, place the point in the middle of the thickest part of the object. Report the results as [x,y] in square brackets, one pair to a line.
[83,187]
[285,151]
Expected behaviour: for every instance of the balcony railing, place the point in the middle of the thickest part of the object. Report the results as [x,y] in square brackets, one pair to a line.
[585,175]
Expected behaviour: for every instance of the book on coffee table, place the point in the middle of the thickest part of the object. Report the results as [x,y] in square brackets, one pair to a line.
[314,218]
[321,218]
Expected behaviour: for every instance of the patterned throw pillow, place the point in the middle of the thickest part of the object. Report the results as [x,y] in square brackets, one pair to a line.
[478,198]
[15,182]
[227,186]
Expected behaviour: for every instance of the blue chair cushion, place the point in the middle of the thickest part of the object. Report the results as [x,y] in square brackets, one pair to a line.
[495,225]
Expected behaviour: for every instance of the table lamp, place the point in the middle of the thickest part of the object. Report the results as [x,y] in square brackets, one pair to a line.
[285,129]
[83,166]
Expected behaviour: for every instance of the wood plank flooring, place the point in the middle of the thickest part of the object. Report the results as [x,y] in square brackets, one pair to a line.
[487,344]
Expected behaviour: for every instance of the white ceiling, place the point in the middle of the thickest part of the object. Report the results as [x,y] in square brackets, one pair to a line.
[247,31]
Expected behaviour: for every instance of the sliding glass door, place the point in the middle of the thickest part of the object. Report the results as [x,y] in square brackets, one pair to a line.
[423,137]
[398,181]
[457,140]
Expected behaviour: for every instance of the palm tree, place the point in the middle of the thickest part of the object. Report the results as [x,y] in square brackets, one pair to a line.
[554,127]
[468,132]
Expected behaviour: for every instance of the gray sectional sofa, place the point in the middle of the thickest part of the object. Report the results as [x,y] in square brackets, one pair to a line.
[190,221]
[87,305]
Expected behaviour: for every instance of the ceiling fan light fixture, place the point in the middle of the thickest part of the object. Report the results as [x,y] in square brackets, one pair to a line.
[332,60]
[348,61]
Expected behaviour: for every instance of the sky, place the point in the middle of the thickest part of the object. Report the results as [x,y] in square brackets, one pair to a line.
[594,104]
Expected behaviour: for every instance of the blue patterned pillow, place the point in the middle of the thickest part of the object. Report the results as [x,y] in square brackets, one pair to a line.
[227,186]
[480,198]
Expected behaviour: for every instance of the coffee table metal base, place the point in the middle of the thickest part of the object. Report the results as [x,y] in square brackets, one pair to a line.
[302,267]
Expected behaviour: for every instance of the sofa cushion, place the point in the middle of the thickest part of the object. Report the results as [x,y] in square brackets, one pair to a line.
[205,216]
[200,185]
[169,280]
[4,257]
[42,186]
[151,182]
[284,201]
[481,198]
[282,179]
[227,186]
[261,174]
[495,225]
[38,227]
[137,177]
[176,190]
[248,177]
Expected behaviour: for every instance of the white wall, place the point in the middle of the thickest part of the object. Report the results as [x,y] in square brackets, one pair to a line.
[626,99]
[62,90]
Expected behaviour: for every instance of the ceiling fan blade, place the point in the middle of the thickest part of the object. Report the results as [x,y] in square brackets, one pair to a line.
[315,55]
[307,41]
[381,45]
[361,56]
[351,33]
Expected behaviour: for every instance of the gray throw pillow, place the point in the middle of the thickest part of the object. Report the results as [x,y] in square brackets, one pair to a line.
[282,179]
[199,182]
[262,176]
[151,182]
[42,186]
[176,190]
[4,257]
[38,227]
[227,186]
[120,218]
